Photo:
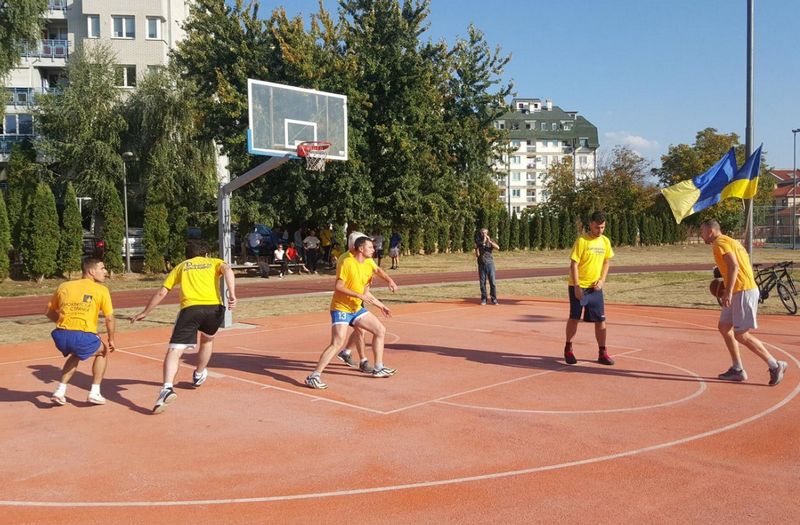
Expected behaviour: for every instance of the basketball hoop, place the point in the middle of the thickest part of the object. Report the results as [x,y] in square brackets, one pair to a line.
[316,154]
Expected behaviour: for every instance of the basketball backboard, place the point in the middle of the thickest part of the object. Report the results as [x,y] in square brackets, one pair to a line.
[281,117]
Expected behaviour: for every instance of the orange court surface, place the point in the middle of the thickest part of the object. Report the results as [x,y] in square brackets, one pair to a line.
[483,423]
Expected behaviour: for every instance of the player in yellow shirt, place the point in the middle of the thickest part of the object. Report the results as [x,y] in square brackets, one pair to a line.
[350,292]
[75,308]
[588,269]
[356,339]
[201,311]
[739,304]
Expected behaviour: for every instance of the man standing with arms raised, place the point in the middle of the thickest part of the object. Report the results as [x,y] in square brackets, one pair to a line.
[201,311]
[739,304]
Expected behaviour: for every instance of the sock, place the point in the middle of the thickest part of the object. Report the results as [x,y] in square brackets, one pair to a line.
[365,360]
[603,350]
[773,363]
[346,351]
[166,386]
[62,389]
[568,346]
[315,374]
[95,389]
[378,366]
[737,365]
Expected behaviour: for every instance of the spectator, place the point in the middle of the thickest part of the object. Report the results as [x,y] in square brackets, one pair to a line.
[254,241]
[484,246]
[394,249]
[311,245]
[325,238]
[299,235]
[293,256]
[280,258]
[378,240]
[336,252]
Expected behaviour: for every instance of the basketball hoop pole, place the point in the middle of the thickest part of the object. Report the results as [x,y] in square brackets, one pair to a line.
[224,217]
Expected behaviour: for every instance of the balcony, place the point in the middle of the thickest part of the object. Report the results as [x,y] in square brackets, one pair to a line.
[531,183]
[57,5]
[26,96]
[530,149]
[46,49]
[530,199]
[7,142]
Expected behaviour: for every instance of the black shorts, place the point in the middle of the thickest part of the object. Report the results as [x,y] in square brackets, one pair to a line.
[206,318]
[379,254]
[592,305]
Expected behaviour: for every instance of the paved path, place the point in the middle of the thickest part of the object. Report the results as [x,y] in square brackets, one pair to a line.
[252,288]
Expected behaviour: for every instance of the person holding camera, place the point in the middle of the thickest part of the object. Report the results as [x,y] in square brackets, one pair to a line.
[484,246]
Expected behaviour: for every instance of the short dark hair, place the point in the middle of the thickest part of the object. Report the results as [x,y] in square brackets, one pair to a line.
[197,249]
[89,263]
[360,242]
[599,217]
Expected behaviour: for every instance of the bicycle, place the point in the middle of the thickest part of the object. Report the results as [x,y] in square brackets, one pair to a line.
[777,276]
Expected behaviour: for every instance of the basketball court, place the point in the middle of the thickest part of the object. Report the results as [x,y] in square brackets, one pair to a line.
[483,423]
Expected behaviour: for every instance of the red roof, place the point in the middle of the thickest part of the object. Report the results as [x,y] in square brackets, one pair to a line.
[784,191]
[785,175]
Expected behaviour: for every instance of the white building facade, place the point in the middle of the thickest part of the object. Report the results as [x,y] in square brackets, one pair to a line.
[541,135]
[140,32]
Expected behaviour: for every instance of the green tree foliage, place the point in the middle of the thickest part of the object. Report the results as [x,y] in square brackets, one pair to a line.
[547,231]
[623,238]
[633,230]
[71,249]
[41,237]
[456,236]
[5,240]
[430,236]
[525,232]
[568,229]
[443,242]
[81,125]
[23,178]
[513,241]
[416,243]
[610,230]
[176,247]
[469,234]
[339,236]
[114,231]
[686,161]
[155,233]
[20,21]
[504,231]
[493,222]
[555,231]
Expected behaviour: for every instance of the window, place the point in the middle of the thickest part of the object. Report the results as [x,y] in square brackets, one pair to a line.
[93,26]
[124,26]
[544,126]
[154,69]
[515,193]
[567,127]
[565,144]
[527,126]
[153,28]
[584,143]
[515,143]
[25,124]
[11,124]
[515,126]
[515,176]
[516,159]
[555,127]
[584,161]
[126,76]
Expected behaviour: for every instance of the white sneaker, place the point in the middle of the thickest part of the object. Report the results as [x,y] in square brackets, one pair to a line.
[289,271]
[315,382]
[59,399]
[165,397]
[199,379]
[280,275]
[96,399]
[384,372]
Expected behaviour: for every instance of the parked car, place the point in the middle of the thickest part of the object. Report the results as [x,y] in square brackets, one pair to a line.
[93,246]
[135,242]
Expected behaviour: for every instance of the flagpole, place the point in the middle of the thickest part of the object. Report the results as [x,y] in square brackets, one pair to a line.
[748,204]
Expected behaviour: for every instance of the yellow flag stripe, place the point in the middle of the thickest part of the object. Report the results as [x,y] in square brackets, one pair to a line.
[743,189]
[681,198]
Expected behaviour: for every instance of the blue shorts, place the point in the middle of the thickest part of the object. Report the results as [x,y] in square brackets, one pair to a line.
[592,305]
[340,317]
[82,344]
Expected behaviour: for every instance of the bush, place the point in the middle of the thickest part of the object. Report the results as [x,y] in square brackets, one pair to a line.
[524,232]
[42,236]
[176,246]
[623,230]
[5,240]
[429,236]
[504,233]
[71,249]
[513,235]
[155,237]
[417,237]
[443,242]
[469,234]
[555,231]
[114,230]
[633,225]
[547,231]
[536,231]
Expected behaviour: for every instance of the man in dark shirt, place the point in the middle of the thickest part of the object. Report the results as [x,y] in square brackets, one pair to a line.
[484,246]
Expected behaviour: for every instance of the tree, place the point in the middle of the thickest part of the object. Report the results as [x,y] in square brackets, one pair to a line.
[469,234]
[504,231]
[513,241]
[623,236]
[176,247]
[536,231]
[633,230]
[114,231]
[569,229]
[41,237]
[547,231]
[560,185]
[5,240]
[23,179]
[555,231]
[155,233]
[525,232]
[71,249]
[610,230]
[20,21]
[443,242]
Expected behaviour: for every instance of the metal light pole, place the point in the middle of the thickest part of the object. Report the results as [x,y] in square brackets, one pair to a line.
[125,158]
[793,211]
[748,204]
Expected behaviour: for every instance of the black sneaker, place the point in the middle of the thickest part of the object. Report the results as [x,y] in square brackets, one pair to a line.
[569,357]
[733,374]
[347,359]
[776,374]
[365,367]
[165,397]
[603,359]
[199,379]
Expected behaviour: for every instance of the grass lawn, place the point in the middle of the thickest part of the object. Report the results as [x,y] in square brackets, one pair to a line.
[677,289]
[451,262]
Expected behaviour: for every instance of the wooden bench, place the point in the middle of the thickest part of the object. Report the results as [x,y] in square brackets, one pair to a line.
[295,266]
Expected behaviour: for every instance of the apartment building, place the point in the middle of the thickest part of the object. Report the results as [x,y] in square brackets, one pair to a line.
[140,32]
[541,135]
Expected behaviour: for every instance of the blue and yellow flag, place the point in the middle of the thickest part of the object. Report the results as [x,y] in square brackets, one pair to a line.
[720,182]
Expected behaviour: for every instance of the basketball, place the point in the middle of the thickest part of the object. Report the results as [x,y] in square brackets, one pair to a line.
[717,288]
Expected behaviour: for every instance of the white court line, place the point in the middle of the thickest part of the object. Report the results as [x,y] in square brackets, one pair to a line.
[604,411]
[30,360]
[424,484]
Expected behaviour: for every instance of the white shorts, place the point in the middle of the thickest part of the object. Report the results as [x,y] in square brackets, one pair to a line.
[742,311]
[394,252]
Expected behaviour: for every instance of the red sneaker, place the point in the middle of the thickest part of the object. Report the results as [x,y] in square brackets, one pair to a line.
[569,357]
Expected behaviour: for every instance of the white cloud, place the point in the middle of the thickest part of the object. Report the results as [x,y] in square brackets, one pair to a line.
[627,139]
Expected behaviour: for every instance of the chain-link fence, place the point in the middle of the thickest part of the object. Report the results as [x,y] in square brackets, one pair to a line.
[772,226]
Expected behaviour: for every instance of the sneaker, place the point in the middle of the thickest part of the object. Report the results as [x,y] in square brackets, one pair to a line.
[733,375]
[59,399]
[483,302]
[315,382]
[384,372]
[569,357]
[494,302]
[603,359]
[96,399]
[166,397]
[776,374]
[365,367]
[289,271]
[280,275]
[347,359]
[199,379]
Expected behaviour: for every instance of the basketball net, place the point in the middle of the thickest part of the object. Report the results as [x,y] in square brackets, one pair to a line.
[315,153]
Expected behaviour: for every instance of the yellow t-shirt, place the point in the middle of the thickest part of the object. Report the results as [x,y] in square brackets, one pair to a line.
[325,237]
[744,279]
[79,304]
[349,254]
[356,277]
[590,254]
[199,280]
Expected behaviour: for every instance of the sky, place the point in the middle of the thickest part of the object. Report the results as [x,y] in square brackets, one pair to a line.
[647,73]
